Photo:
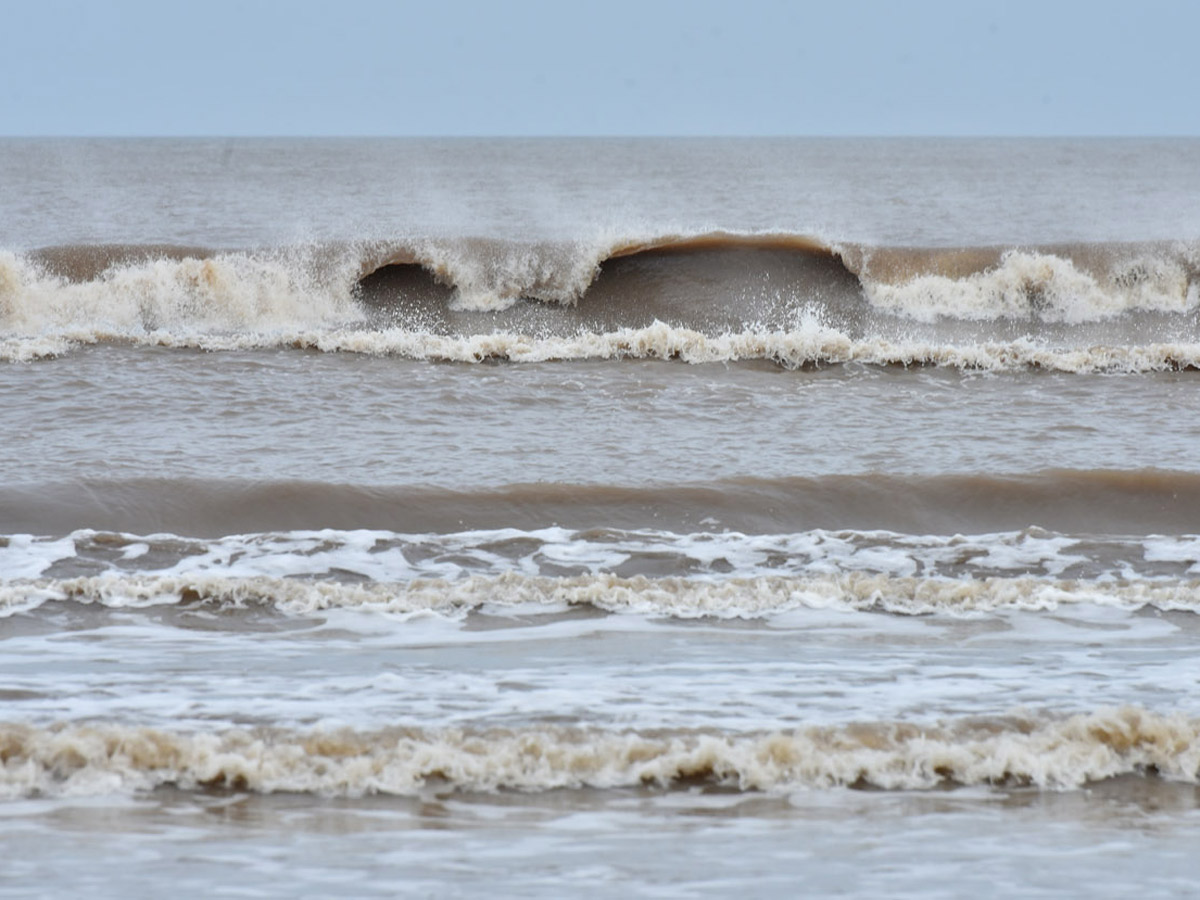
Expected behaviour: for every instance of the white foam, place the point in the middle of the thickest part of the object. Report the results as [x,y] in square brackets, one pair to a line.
[23,556]
[1174,549]
[1039,286]
[164,301]
[385,556]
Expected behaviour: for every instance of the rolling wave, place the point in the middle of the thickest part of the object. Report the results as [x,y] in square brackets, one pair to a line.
[792,299]
[1081,502]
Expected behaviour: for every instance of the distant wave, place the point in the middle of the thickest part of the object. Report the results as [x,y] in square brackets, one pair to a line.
[792,299]
[1039,750]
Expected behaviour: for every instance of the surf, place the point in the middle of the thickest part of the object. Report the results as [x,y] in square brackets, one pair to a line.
[792,299]
[1024,750]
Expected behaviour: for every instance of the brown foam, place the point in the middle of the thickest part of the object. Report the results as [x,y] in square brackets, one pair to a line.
[1042,751]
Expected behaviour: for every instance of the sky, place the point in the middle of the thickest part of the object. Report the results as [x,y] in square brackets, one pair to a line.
[621,67]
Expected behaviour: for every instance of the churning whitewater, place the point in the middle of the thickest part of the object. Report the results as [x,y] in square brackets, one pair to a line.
[894,756]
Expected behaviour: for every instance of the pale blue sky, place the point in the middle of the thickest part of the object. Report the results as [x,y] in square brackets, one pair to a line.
[358,67]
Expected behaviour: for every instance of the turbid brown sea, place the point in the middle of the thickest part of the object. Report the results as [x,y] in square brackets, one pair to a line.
[599,517]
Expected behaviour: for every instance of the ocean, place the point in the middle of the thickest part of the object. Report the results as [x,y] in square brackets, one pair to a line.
[599,517]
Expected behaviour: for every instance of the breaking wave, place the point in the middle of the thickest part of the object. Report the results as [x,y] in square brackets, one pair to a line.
[1015,751]
[792,299]
[670,596]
